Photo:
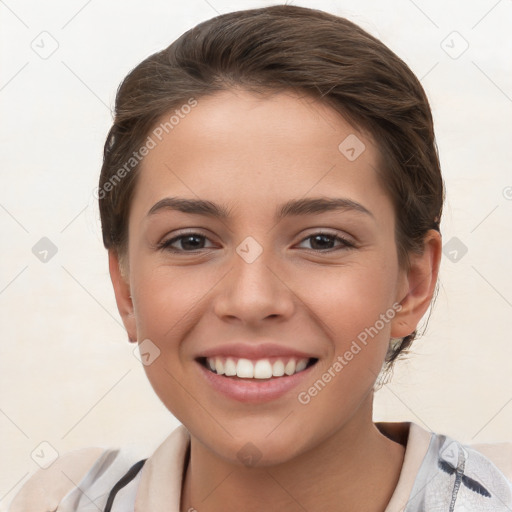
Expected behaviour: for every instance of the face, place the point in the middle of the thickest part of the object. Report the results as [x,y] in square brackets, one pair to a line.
[262,283]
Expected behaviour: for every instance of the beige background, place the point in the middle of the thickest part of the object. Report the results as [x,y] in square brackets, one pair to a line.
[68,375]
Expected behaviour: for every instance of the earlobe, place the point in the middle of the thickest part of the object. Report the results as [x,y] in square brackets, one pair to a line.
[420,286]
[123,295]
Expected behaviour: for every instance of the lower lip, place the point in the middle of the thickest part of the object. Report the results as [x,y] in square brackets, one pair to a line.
[254,390]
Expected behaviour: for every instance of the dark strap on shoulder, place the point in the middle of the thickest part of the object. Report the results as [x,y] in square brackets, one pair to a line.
[127,478]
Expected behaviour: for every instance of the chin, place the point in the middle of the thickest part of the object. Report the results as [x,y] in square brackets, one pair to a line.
[256,447]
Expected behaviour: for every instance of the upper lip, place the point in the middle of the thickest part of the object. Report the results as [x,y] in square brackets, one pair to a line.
[252,351]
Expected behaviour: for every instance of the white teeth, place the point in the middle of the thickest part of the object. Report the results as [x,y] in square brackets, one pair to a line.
[229,367]
[289,369]
[278,369]
[260,369]
[301,365]
[245,369]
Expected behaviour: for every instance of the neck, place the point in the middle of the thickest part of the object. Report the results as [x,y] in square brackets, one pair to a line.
[356,468]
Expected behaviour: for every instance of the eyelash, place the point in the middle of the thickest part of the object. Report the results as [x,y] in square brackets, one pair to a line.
[166,245]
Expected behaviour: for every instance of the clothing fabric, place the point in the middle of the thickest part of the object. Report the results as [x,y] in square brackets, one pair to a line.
[439,474]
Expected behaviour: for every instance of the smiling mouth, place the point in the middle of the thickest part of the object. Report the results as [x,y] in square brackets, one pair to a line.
[261,369]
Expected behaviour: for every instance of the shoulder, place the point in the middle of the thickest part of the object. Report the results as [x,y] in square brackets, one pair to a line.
[46,487]
[499,453]
[476,477]
[81,479]
[74,473]
[444,447]
[445,471]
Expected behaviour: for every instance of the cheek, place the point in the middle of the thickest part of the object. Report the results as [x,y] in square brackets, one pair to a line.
[356,309]
[165,300]
[356,312]
[166,307]
[350,300]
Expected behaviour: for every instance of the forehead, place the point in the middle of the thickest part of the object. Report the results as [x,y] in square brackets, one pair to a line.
[236,147]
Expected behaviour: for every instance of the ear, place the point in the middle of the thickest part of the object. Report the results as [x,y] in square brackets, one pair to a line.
[123,295]
[419,286]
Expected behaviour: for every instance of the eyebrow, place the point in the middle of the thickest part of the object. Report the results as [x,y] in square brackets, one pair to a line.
[290,208]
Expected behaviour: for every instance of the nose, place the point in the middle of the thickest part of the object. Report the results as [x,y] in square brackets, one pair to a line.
[254,291]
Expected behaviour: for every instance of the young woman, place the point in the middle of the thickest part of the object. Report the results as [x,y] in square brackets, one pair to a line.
[270,200]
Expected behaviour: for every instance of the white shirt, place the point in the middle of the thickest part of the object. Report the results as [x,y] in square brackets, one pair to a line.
[438,474]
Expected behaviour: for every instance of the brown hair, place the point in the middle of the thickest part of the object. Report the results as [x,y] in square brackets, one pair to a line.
[286,48]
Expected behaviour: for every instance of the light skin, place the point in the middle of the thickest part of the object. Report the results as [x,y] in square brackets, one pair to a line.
[251,154]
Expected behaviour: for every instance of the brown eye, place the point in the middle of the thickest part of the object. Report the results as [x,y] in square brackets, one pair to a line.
[185,243]
[324,241]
